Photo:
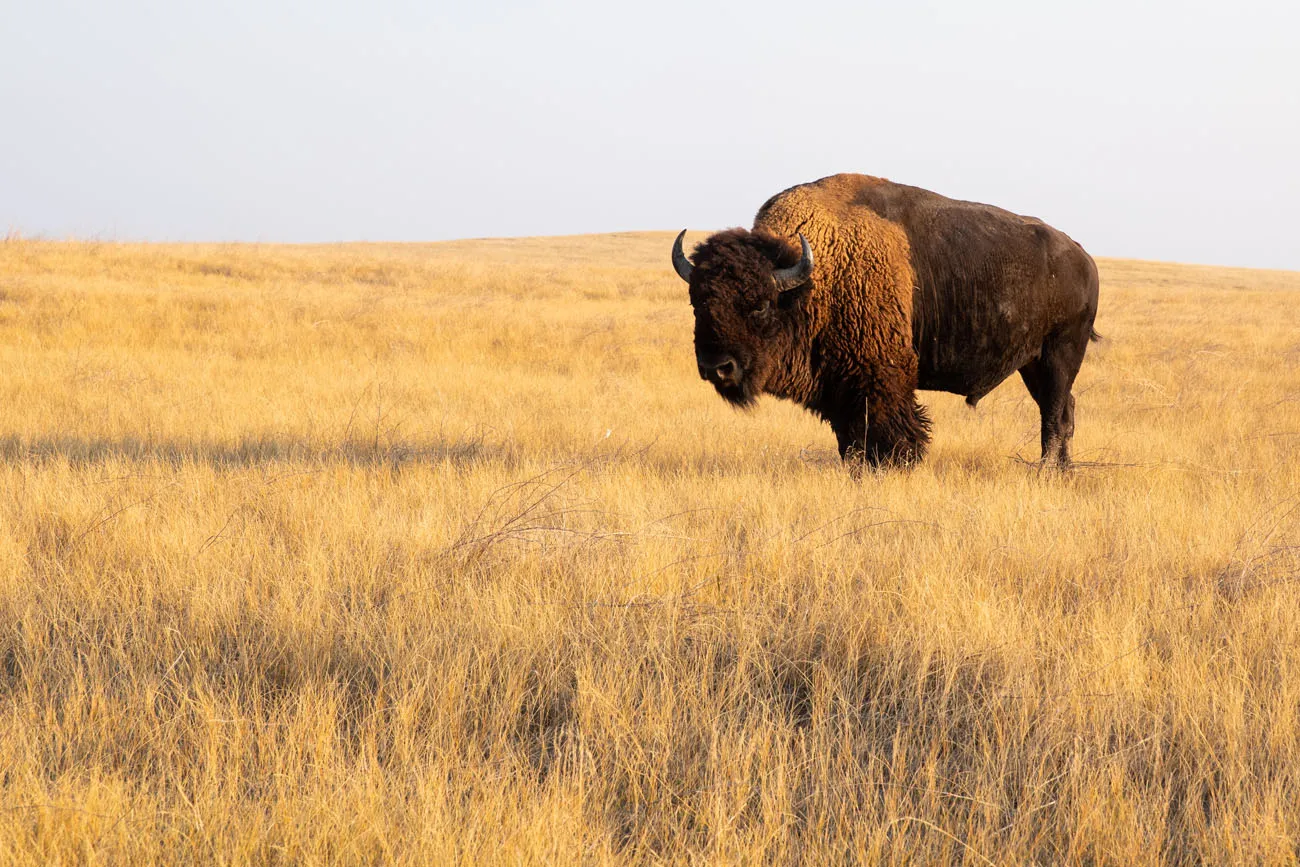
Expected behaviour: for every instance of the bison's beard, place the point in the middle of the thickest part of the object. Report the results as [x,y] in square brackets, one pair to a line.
[742,395]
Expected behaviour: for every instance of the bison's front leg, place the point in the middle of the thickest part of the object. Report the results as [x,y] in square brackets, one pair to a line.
[877,431]
[898,433]
[850,428]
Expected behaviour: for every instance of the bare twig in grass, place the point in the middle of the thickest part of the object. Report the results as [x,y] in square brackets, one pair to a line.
[861,527]
[1075,465]
[960,842]
[537,491]
[836,520]
[216,537]
[108,518]
[531,515]
[68,807]
[856,530]
[1283,510]
[531,512]
[240,512]
[120,819]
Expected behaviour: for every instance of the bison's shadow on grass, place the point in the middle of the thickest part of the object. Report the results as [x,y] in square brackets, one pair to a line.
[466,450]
[254,451]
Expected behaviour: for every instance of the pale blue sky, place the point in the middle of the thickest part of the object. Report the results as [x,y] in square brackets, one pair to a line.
[1158,130]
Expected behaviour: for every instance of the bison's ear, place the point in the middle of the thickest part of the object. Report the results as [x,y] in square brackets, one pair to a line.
[791,298]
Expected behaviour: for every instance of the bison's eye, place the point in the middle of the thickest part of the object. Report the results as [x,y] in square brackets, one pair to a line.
[762,311]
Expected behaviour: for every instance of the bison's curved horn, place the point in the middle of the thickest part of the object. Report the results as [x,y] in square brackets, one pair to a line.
[788,278]
[681,264]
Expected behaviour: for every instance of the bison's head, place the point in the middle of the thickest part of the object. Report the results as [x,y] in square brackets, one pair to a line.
[746,288]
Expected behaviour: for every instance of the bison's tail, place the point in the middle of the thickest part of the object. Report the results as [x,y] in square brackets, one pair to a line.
[1094,336]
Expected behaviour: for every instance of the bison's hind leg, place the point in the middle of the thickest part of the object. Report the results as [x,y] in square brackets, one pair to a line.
[1049,379]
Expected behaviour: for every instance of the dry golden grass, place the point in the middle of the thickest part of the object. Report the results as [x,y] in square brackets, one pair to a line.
[443,554]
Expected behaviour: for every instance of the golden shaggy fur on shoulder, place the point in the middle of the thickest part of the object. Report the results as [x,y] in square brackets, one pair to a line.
[860,304]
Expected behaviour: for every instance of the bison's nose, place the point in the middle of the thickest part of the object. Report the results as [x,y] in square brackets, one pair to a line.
[722,370]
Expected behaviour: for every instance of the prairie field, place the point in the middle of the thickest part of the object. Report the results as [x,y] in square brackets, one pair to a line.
[443,554]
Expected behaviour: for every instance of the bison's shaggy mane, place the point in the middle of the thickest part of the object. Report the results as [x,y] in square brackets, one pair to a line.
[741,249]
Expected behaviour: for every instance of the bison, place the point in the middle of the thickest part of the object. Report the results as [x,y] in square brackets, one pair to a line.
[852,292]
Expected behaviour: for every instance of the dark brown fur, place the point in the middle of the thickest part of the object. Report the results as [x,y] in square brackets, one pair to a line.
[910,290]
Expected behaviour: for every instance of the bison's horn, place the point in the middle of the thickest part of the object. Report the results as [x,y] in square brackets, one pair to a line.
[681,264]
[788,278]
